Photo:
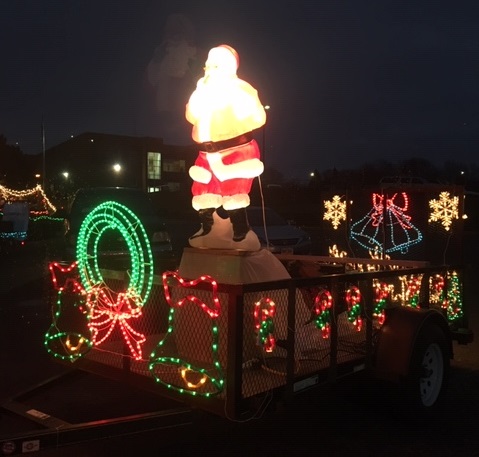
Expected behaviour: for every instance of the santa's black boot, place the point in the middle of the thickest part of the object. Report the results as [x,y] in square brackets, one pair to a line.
[206,219]
[239,220]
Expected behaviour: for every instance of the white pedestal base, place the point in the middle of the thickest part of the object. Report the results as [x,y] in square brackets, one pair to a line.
[231,266]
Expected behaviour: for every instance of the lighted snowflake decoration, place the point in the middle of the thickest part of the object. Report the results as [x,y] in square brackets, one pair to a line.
[444,210]
[335,211]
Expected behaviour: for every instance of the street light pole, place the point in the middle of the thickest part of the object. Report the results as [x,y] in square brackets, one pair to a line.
[266,107]
[43,151]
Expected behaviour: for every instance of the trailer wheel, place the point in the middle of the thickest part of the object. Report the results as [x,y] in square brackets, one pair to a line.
[429,368]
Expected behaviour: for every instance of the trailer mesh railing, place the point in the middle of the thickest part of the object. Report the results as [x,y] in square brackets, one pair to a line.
[226,346]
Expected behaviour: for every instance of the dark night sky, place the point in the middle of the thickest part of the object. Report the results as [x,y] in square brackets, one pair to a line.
[348,81]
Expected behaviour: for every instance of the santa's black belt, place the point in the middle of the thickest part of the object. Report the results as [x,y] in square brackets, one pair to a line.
[214,146]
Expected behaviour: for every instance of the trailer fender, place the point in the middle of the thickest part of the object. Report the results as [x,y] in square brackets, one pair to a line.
[397,338]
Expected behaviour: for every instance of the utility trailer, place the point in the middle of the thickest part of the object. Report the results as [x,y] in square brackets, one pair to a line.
[226,346]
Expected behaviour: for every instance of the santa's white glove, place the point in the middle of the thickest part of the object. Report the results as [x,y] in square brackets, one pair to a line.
[199,174]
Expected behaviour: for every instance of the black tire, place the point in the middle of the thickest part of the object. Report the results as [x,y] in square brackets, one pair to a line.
[429,369]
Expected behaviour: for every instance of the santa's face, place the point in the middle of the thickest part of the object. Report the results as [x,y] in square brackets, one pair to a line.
[221,63]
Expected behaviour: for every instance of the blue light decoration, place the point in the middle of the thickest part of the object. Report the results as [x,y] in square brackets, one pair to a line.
[399,233]
[20,236]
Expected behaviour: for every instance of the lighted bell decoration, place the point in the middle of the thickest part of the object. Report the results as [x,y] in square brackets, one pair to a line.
[224,110]
[187,359]
[388,215]
[68,337]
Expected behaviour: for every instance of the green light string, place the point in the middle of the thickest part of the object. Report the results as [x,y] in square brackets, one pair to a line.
[112,215]
[209,382]
[46,218]
[265,334]
[454,297]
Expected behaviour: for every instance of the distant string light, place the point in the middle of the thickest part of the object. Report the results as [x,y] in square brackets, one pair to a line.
[335,252]
[14,195]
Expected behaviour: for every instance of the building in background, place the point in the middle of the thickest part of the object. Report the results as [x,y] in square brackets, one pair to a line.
[99,159]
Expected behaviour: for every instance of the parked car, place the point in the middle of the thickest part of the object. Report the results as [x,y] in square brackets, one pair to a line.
[111,242]
[280,236]
[14,221]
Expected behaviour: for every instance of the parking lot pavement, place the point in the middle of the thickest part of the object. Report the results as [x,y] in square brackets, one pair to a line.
[350,418]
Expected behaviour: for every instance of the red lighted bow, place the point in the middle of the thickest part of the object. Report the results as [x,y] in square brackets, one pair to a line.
[397,211]
[172,277]
[106,312]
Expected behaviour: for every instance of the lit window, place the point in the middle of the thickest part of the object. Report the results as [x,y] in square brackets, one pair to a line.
[154,165]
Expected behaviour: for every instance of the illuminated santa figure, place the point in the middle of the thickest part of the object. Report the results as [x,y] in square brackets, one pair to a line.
[224,111]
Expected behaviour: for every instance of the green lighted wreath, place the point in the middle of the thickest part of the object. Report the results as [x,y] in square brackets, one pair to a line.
[112,215]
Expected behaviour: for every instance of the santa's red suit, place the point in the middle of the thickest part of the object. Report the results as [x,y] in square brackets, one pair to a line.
[224,110]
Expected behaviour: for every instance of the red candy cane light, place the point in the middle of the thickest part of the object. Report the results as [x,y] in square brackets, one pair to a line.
[264,311]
